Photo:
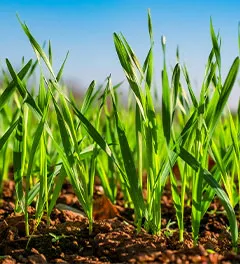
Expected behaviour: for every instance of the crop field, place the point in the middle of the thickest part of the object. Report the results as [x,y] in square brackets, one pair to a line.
[160,173]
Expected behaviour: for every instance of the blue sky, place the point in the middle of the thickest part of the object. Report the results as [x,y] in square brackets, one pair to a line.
[85,28]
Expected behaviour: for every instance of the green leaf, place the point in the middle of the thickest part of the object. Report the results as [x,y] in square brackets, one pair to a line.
[22,89]
[59,182]
[60,72]
[225,92]
[215,44]
[126,60]
[8,133]
[5,96]
[150,25]
[166,107]
[134,186]
[37,48]
[64,134]
[88,98]
[193,97]
[175,85]
[191,161]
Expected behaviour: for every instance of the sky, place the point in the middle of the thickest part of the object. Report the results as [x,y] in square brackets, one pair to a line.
[85,29]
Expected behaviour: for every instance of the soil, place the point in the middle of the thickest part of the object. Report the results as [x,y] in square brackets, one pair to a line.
[114,238]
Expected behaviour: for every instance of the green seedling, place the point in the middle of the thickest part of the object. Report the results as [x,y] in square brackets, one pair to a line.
[48,135]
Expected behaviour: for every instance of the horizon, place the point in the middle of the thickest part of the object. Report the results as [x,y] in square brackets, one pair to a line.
[86,28]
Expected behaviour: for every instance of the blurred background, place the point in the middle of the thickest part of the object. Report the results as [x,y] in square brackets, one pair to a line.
[85,28]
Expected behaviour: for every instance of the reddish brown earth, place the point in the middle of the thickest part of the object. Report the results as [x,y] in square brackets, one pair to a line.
[113,239]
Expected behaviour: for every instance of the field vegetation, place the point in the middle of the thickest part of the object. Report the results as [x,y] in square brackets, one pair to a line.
[48,136]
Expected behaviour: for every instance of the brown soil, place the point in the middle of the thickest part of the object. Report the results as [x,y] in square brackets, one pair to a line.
[114,238]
